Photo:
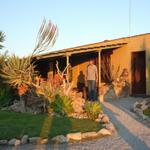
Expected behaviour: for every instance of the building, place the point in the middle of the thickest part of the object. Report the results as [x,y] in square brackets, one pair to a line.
[132,53]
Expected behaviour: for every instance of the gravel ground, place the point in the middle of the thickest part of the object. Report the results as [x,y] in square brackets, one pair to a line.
[132,133]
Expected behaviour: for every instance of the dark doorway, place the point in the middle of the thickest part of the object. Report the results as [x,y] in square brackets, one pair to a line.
[106,66]
[138,73]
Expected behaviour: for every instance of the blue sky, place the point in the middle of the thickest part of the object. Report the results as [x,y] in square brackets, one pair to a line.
[79,21]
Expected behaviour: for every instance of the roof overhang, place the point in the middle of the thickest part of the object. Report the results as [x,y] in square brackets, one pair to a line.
[72,51]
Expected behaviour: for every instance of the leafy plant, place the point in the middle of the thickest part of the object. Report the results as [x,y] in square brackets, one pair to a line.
[93,109]
[6,96]
[61,105]
[147,112]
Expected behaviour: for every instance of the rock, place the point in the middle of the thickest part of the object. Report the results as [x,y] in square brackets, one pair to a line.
[34,139]
[144,106]
[16,107]
[100,116]
[144,102]
[104,132]
[89,135]
[110,127]
[144,117]
[77,101]
[3,142]
[134,105]
[43,141]
[98,120]
[105,119]
[60,139]
[24,139]
[74,136]
[14,142]
[139,105]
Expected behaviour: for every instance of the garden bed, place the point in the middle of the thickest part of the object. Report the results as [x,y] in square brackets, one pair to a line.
[17,124]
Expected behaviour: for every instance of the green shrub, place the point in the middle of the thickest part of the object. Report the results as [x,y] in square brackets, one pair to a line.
[93,109]
[147,112]
[61,105]
[6,96]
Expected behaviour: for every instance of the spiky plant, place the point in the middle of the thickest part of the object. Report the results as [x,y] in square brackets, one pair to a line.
[19,72]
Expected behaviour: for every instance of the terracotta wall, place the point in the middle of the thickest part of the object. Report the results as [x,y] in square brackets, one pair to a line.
[76,71]
[122,56]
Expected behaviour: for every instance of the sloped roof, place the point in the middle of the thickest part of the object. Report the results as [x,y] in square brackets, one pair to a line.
[80,50]
[107,44]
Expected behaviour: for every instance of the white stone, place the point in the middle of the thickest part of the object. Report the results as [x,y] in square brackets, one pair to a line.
[105,119]
[34,139]
[74,136]
[60,139]
[144,106]
[98,120]
[3,142]
[100,116]
[14,142]
[89,135]
[144,102]
[24,139]
[43,141]
[134,105]
[104,132]
[144,117]
[109,126]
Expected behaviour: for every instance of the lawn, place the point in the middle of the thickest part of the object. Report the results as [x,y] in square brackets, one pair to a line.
[16,125]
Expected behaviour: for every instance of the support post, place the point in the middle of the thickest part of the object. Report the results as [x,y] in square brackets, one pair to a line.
[99,68]
[67,63]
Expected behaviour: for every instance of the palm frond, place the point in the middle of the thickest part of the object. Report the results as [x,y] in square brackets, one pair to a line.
[46,37]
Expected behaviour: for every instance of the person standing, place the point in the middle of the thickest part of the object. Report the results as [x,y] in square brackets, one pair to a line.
[91,78]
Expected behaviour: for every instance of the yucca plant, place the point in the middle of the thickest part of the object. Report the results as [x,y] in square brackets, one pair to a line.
[19,72]
[93,109]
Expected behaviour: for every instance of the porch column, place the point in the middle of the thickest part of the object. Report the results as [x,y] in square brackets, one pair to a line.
[99,68]
[67,64]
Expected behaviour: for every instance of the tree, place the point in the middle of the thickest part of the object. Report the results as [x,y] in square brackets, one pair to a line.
[2,38]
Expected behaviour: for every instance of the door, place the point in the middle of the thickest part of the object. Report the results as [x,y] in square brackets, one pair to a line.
[138,73]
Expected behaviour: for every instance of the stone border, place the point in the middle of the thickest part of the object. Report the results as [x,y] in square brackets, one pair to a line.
[107,130]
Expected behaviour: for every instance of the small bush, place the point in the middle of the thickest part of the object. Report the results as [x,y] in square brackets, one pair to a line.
[93,109]
[6,96]
[147,112]
[61,105]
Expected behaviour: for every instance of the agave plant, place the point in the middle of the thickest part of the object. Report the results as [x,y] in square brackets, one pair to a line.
[18,73]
